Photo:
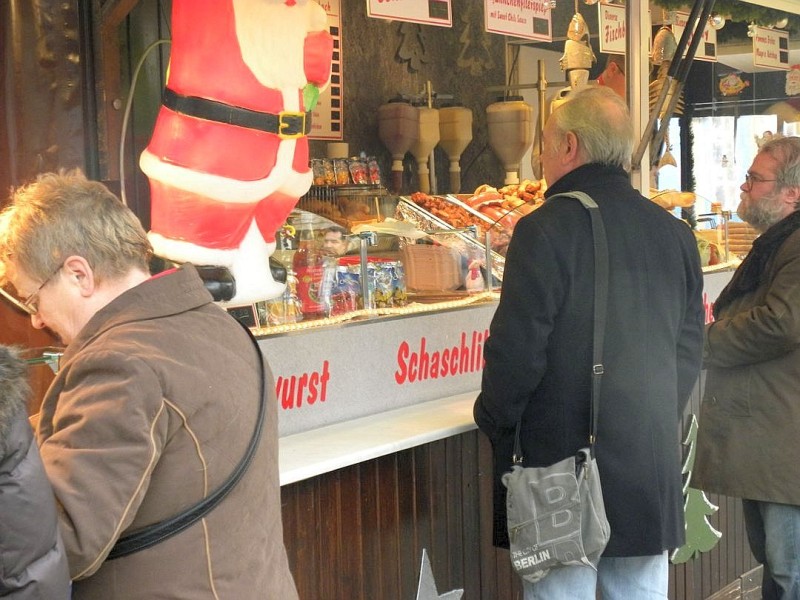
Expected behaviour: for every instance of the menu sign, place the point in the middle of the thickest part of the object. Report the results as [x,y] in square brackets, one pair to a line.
[327,116]
[527,19]
[771,48]
[707,48]
[613,34]
[427,12]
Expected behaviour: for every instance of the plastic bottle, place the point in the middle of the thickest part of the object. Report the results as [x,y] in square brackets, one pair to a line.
[308,266]
[292,311]
[510,125]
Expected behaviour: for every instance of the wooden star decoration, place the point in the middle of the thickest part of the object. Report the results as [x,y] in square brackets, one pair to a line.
[427,585]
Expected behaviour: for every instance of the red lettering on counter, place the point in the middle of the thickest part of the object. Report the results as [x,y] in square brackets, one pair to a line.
[310,387]
[423,364]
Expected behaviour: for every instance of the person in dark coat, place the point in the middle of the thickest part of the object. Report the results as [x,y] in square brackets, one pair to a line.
[539,352]
[750,415]
[33,563]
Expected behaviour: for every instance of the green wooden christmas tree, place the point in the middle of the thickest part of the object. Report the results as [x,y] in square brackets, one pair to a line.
[700,534]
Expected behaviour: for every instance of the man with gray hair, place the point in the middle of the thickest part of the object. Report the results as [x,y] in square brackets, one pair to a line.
[157,399]
[750,416]
[539,352]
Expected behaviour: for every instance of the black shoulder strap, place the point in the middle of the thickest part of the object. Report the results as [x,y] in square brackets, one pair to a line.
[600,310]
[158,532]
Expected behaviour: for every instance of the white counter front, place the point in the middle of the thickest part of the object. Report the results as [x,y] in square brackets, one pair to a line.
[330,375]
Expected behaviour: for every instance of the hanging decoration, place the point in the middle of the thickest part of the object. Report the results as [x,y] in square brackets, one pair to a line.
[743,12]
[717,21]
[578,55]
[732,84]
[664,47]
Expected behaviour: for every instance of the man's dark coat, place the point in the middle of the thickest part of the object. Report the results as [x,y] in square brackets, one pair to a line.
[538,355]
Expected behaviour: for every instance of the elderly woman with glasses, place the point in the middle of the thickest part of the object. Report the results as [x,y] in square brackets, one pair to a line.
[155,404]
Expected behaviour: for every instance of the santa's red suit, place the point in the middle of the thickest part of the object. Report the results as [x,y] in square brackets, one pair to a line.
[228,158]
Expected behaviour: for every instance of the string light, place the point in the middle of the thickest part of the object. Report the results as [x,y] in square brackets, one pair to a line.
[717,21]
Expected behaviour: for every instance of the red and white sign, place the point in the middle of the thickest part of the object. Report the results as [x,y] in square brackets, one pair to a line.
[327,118]
[707,48]
[330,375]
[526,19]
[427,12]
[613,31]
[771,48]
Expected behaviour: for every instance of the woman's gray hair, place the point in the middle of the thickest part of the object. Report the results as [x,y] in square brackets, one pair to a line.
[63,214]
[600,120]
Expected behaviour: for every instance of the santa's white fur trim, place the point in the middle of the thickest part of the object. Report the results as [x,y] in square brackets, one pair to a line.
[224,189]
[182,251]
[249,264]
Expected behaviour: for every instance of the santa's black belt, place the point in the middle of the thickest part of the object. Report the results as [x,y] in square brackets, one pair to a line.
[286,124]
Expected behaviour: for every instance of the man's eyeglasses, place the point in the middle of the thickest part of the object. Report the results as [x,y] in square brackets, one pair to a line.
[30,304]
[750,180]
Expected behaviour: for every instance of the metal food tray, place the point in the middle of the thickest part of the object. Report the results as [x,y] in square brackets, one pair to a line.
[446,234]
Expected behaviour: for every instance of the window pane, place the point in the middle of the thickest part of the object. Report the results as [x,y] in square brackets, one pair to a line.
[667,176]
[714,158]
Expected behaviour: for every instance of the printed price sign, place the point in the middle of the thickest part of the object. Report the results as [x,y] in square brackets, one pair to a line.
[427,12]
[771,48]
[707,48]
[613,33]
[527,19]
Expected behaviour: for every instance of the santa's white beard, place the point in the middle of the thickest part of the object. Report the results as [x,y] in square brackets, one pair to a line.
[271,37]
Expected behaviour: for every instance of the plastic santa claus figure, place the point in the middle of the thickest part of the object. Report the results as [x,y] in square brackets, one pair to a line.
[228,158]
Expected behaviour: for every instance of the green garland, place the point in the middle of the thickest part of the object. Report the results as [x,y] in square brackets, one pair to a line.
[740,11]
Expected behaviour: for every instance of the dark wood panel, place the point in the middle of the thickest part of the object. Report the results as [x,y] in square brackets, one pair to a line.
[358,533]
[350,543]
[372,566]
[409,520]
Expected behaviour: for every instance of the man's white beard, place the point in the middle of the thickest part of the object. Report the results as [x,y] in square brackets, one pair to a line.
[762,214]
[271,38]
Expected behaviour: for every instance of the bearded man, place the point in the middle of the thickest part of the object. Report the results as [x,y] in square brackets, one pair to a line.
[228,158]
[750,415]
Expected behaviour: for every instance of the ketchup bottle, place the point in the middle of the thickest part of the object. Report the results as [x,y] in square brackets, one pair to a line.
[308,266]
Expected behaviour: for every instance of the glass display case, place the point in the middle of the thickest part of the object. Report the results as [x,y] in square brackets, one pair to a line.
[353,252]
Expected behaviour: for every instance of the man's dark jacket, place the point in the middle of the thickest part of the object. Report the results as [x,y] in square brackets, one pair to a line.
[539,353]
